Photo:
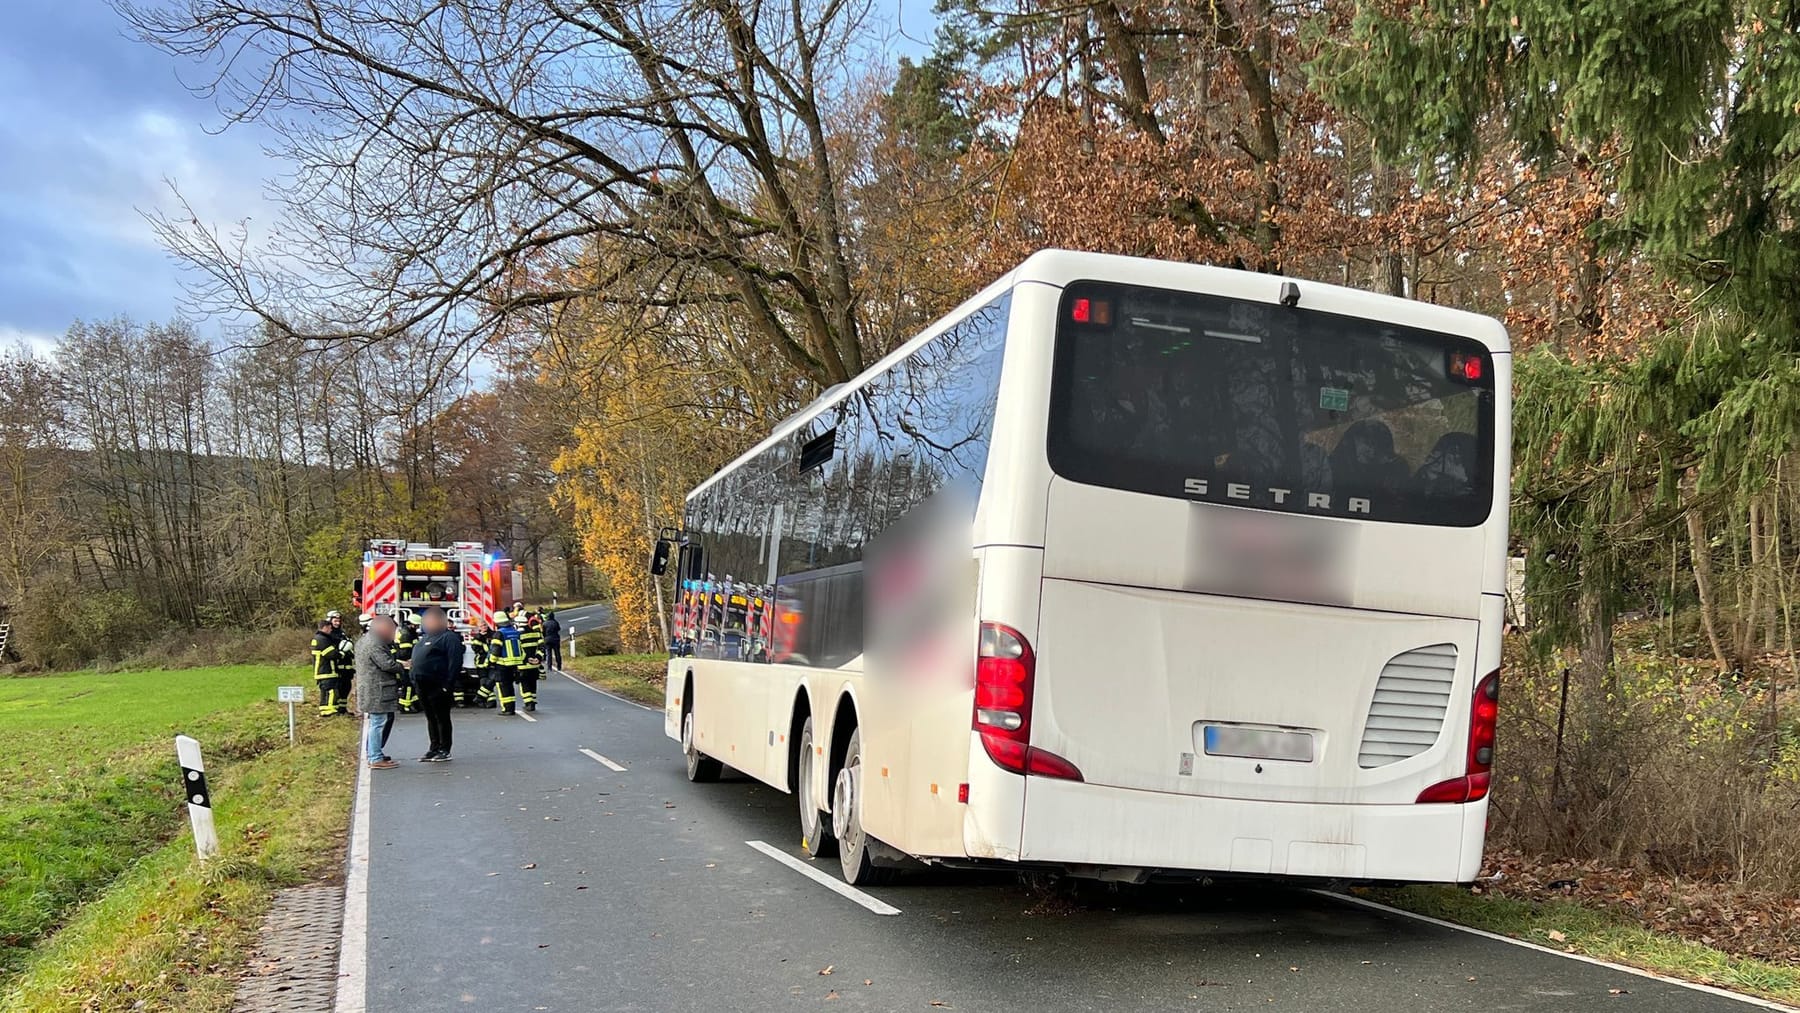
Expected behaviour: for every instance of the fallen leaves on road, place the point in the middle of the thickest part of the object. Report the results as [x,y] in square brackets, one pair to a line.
[831,994]
[828,968]
[868,981]
[529,865]
[1558,937]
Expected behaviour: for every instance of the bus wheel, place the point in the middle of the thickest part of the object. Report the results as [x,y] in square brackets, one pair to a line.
[815,830]
[846,820]
[700,767]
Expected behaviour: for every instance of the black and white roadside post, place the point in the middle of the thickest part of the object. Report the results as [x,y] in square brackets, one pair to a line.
[571,640]
[199,798]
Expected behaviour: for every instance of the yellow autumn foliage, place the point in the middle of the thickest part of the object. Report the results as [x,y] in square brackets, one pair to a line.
[651,412]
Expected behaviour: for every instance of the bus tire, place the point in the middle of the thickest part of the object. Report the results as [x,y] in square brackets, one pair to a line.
[701,768]
[854,851]
[815,827]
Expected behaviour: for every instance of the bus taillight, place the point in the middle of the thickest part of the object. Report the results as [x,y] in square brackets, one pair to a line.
[1484,713]
[1004,671]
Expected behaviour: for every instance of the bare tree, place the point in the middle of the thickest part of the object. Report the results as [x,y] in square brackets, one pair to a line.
[453,157]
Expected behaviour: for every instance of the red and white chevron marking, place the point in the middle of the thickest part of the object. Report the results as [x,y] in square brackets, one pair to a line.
[381,586]
[478,597]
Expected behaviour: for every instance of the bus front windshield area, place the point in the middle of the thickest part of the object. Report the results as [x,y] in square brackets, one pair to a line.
[1280,408]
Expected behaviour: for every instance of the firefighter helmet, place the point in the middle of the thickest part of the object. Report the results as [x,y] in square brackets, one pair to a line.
[334,614]
[501,618]
[365,619]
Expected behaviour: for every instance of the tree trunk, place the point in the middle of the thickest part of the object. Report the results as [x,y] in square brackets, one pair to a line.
[1701,553]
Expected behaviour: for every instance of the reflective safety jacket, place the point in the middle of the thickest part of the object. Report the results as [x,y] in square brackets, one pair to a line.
[403,643]
[479,648]
[345,658]
[324,654]
[505,649]
[531,641]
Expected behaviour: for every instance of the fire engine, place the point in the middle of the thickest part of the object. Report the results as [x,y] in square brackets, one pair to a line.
[468,582]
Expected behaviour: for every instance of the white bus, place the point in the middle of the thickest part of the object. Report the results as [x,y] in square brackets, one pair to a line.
[1125,569]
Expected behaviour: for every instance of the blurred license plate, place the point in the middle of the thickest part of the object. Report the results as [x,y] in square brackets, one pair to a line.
[1257,743]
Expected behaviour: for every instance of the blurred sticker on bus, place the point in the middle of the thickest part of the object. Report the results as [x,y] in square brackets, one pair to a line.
[1255,554]
[919,599]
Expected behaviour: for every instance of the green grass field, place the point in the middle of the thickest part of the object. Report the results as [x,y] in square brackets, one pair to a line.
[101,903]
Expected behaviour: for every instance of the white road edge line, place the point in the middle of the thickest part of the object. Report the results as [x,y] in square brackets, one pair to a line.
[353,944]
[615,696]
[528,717]
[597,758]
[1722,993]
[836,886]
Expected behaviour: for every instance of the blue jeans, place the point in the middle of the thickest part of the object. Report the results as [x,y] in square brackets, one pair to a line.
[375,734]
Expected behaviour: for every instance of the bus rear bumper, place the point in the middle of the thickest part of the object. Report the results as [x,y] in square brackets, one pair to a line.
[1072,823]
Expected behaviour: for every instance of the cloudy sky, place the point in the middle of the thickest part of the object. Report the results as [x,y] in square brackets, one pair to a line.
[94,128]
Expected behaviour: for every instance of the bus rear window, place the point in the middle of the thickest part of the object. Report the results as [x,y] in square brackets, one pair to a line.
[1255,405]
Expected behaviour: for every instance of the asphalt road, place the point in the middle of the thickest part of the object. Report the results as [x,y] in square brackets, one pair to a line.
[526,875]
[583,618]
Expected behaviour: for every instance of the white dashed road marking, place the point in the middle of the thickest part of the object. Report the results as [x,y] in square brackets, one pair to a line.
[836,886]
[597,758]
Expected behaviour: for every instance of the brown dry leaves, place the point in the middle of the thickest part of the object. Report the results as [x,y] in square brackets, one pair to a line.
[1741,922]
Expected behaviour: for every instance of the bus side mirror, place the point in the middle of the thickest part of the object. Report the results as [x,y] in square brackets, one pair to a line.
[693,562]
[659,560]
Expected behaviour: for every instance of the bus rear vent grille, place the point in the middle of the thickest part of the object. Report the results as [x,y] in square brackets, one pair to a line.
[1410,701]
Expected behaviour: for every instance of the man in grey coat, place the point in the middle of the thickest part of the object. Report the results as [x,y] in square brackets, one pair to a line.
[378,688]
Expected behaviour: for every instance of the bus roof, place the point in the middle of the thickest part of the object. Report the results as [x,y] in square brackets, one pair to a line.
[1059,268]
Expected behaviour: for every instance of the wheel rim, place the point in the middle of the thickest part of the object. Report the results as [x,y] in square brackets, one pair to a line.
[687,735]
[846,820]
[809,809]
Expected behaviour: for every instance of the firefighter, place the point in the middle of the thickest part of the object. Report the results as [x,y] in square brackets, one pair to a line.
[405,634]
[345,660]
[531,641]
[324,654]
[506,654]
[466,691]
[485,694]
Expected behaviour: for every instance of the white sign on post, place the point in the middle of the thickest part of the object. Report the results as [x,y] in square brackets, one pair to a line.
[290,695]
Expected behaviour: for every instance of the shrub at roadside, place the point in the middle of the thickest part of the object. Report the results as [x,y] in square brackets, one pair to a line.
[1669,769]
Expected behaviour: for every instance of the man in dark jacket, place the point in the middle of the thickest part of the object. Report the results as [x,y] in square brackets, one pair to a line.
[436,662]
[552,641]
